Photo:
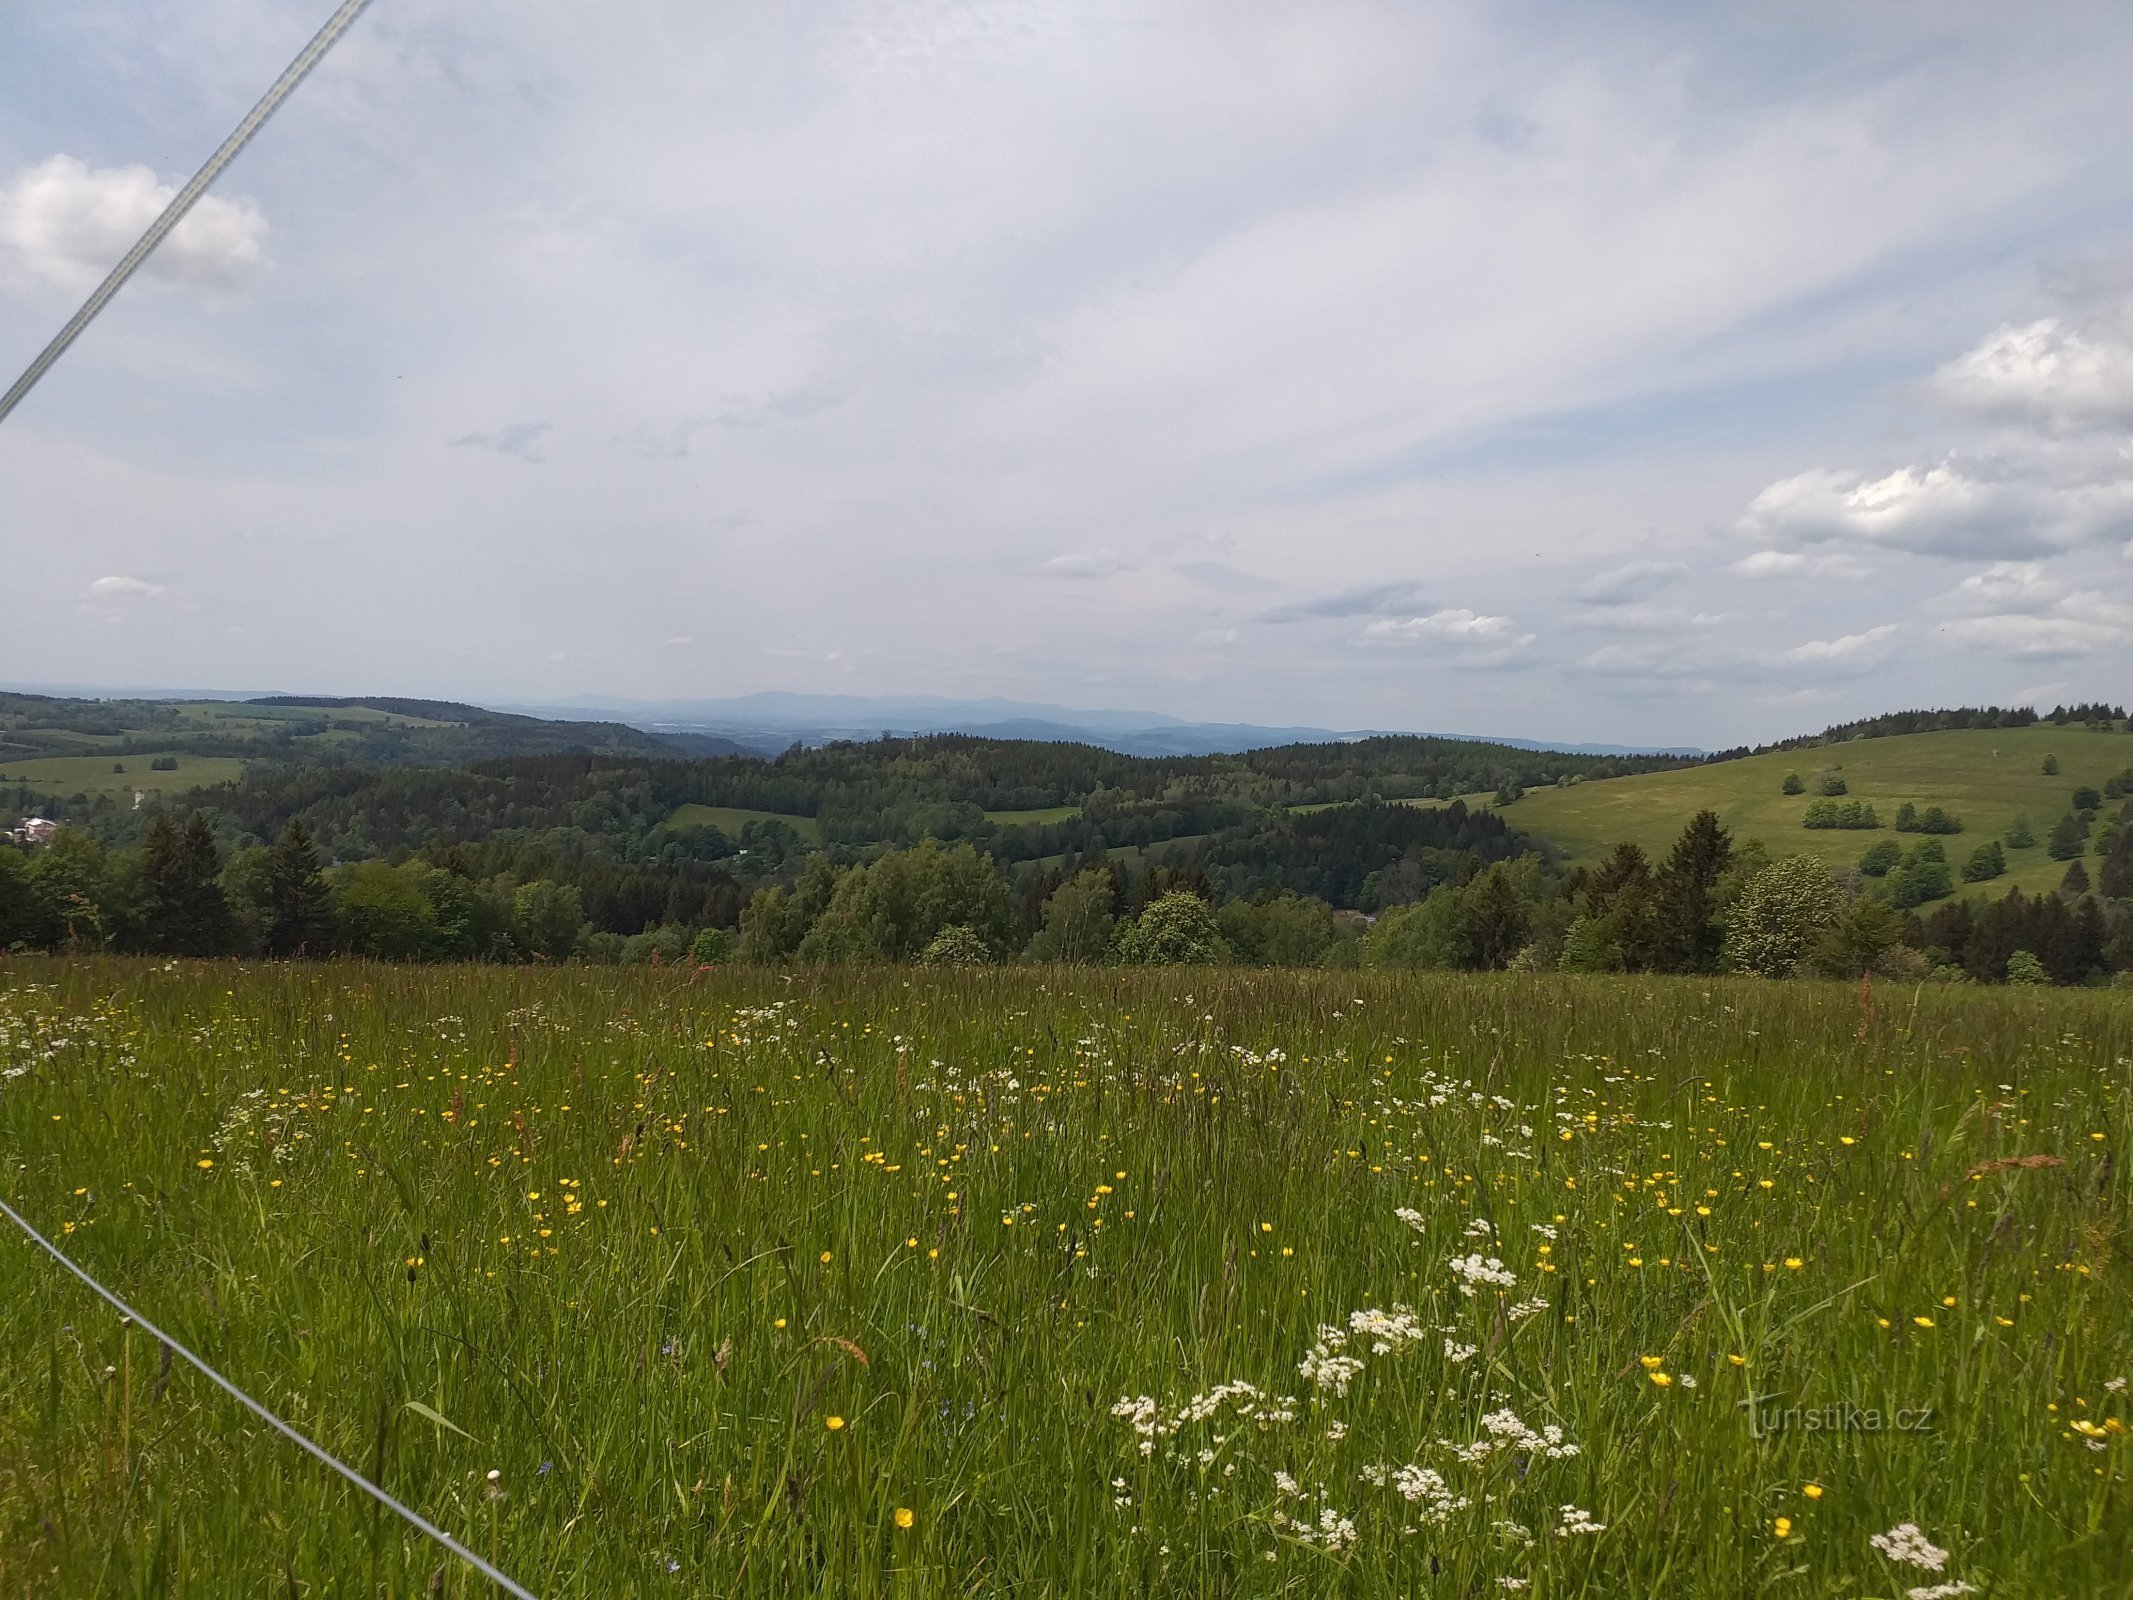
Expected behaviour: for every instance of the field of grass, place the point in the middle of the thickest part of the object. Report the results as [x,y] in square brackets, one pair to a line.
[729,820]
[1988,777]
[1047,1283]
[93,775]
[1037,818]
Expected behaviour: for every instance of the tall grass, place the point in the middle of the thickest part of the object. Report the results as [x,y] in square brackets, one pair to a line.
[632,1239]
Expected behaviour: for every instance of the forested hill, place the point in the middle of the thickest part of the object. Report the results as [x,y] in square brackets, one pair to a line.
[383,730]
[1021,799]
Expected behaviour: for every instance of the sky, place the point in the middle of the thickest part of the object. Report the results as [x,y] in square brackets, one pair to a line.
[1643,372]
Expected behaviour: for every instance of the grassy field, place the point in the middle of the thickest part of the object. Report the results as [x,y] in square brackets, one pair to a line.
[1037,818]
[1987,777]
[729,820]
[1045,1283]
[93,775]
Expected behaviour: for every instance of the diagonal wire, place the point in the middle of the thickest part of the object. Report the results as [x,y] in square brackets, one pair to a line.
[415,1519]
[174,213]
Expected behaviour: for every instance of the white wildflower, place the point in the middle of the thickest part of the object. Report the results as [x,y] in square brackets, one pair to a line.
[1906,1544]
[1460,1354]
[1939,1591]
[1412,1217]
[1478,1269]
[1575,1521]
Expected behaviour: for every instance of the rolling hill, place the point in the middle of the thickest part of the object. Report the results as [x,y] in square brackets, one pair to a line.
[1987,777]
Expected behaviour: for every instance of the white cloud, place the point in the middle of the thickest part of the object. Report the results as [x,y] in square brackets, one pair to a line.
[1942,510]
[2035,638]
[519,440]
[1458,624]
[1104,563]
[2047,376]
[1849,648]
[69,223]
[112,588]
[1362,600]
[1799,564]
[1638,580]
[2017,609]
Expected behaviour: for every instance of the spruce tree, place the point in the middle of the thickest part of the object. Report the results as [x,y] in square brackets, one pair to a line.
[1689,935]
[187,914]
[297,916]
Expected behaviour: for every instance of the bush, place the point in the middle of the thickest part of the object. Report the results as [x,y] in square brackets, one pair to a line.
[1986,862]
[955,946]
[1879,858]
[2050,769]
[1840,814]
[1176,931]
[2087,799]
[1793,785]
[2024,968]
[1909,819]
[710,947]
[1833,784]
[2019,836]
[163,764]
[1780,916]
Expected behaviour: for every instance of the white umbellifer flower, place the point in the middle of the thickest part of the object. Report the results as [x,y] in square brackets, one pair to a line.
[1481,1228]
[1285,1484]
[1527,1308]
[1905,1543]
[1335,1531]
[1388,1330]
[1460,1354]
[1575,1521]
[1513,1584]
[1939,1591]
[2113,1385]
[1687,1380]
[1545,1230]
[1336,1431]
[1504,1425]
[1412,1217]
[1479,1269]
[1329,1371]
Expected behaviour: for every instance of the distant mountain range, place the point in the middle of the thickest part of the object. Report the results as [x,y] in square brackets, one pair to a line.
[775,721]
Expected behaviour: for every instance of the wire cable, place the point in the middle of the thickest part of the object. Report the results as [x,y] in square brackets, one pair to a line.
[174,213]
[414,1519]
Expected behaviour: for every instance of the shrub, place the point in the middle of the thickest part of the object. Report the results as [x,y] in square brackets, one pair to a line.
[2087,799]
[2019,836]
[1840,814]
[1833,784]
[1909,819]
[710,947]
[1793,784]
[955,946]
[1177,930]
[1879,858]
[2024,968]
[1781,915]
[2069,838]
[1986,862]
[2050,769]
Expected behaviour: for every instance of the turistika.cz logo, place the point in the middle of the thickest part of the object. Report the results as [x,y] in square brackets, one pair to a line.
[1766,1416]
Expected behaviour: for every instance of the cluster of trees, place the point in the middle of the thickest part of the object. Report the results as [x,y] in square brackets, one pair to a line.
[1840,814]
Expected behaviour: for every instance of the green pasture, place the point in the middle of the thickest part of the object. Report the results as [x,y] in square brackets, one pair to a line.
[729,820]
[93,775]
[1041,817]
[1066,1283]
[1987,777]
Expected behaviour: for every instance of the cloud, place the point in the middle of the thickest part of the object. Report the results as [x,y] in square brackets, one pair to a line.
[2016,609]
[2045,375]
[1624,585]
[1095,564]
[2034,638]
[1849,648]
[1798,564]
[1367,600]
[1220,575]
[1649,619]
[520,440]
[1943,510]
[112,588]
[69,223]
[1456,624]
[679,439]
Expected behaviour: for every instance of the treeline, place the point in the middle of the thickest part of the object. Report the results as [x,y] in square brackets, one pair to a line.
[2093,714]
[1712,905]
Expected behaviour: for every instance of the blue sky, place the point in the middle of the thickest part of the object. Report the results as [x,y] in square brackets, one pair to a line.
[1627,372]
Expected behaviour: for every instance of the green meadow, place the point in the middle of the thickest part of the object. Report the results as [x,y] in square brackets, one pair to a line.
[94,775]
[1044,1282]
[729,820]
[1988,777]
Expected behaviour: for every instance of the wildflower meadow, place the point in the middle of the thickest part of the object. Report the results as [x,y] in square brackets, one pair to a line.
[683,1282]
